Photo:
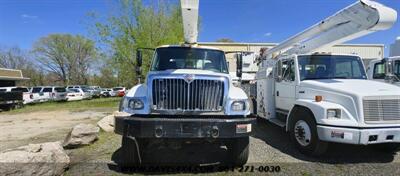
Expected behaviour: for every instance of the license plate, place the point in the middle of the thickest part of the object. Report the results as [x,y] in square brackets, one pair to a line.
[243,128]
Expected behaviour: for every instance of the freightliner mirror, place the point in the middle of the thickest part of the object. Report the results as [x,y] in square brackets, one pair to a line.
[239,64]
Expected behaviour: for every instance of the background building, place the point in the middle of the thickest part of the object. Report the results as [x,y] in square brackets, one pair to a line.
[10,77]
[367,52]
[395,48]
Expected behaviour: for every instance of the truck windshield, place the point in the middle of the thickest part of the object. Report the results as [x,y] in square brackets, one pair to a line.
[189,58]
[331,67]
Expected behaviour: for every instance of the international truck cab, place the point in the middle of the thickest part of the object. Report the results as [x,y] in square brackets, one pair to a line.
[187,97]
[385,70]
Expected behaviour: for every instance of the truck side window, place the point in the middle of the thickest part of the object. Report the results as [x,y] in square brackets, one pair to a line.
[397,68]
[289,72]
[278,70]
[379,71]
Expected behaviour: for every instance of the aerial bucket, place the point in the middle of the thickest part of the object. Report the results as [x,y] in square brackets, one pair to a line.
[357,20]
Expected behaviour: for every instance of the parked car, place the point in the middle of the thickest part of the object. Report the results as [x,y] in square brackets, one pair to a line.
[26,95]
[105,92]
[10,100]
[112,92]
[77,86]
[57,93]
[74,94]
[119,91]
[95,93]
[39,95]
[86,93]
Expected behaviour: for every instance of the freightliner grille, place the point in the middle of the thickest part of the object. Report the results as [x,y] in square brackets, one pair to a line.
[180,95]
[381,109]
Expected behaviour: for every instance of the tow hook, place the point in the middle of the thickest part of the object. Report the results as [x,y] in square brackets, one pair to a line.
[158,132]
[214,132]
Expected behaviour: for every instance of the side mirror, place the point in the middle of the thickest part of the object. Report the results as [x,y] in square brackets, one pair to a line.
[138,58]
[239,65]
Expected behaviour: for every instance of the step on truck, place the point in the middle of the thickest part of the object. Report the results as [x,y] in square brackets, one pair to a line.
[326,97]
[188,96]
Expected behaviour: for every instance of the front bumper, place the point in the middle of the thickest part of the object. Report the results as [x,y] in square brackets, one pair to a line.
[363,136]
[170,127]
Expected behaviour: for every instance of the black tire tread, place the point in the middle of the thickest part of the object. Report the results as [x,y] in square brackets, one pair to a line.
[317,147]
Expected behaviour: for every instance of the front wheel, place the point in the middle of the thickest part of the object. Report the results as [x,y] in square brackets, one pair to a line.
[303,133]
[238,151]
[130,152]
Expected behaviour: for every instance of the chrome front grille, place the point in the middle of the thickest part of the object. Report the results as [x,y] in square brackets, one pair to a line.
[180,95]
[383,109]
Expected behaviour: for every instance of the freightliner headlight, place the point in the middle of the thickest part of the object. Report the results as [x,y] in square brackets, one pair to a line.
[238,106]
[333,113]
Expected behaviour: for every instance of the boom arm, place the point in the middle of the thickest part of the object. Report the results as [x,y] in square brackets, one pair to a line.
[359,19]
[190,16]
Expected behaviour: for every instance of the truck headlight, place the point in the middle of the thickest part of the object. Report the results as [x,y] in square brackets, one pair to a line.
[238,106]
[333,113]
[136,104]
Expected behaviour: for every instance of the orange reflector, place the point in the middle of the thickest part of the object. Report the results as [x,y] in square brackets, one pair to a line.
[318,98]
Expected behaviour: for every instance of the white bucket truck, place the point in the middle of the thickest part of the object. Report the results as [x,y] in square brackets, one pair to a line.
[325,97]
[188,96]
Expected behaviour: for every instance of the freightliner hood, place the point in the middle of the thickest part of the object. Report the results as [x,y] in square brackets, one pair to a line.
[354,87]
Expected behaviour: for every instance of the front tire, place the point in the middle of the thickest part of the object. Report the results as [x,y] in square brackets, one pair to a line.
[303,133]
[130,156]
[238,151]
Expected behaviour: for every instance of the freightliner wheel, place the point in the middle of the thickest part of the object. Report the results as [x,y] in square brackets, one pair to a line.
[303,133]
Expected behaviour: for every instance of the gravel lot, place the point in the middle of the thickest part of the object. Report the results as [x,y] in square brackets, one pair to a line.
[269,146]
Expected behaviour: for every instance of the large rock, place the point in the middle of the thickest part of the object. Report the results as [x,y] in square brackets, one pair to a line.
[107,123]
[34,159]
[82,134]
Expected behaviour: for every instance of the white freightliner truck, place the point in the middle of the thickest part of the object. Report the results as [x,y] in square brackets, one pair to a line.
[325,97]
[188,96]
[385,70]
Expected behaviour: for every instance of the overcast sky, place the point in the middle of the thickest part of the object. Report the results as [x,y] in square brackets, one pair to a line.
[22,22]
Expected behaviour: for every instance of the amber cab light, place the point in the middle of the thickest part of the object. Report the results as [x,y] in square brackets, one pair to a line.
[318,98]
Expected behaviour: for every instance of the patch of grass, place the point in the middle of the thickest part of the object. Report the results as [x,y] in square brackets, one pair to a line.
[102,149]
[93,104]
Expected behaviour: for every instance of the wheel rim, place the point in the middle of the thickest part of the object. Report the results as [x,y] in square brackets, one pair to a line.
[302,133]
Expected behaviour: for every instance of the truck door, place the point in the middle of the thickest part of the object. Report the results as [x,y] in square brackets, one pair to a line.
[285,86]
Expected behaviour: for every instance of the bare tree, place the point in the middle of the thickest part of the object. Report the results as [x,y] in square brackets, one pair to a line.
[66,56]
[15,58]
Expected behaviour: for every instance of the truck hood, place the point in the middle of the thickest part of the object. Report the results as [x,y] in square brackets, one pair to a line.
[189,71]
[357,87]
